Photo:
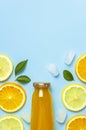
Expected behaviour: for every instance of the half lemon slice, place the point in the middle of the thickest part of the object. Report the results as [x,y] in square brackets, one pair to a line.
[6,67]
[11,122]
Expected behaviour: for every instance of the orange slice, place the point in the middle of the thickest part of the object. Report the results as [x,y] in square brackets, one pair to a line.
[77,123]
[12,97]
[80,68]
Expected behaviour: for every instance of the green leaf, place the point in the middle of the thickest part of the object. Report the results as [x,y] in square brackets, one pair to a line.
[20,66]
[68,75]
[23,79]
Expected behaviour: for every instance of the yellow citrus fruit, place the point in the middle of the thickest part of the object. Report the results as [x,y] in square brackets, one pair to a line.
[12,97]
[80,67]
[11,122]
[6,67]
[74,97]
[77,123]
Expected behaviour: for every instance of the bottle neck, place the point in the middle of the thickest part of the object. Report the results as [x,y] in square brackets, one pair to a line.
[41,88]
[41,92]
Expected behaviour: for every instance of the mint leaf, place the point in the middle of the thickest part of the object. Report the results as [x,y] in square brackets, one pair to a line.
[68,75]
[23,79]
[20,66]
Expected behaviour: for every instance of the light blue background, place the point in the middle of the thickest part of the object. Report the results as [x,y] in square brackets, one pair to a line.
[43,31]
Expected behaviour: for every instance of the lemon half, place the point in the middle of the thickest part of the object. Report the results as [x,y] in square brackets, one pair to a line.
[11,122]
[6,67]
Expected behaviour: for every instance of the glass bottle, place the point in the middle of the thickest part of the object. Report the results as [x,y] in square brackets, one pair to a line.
[42,112]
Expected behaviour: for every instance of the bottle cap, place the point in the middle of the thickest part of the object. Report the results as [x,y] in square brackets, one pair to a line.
[41,84]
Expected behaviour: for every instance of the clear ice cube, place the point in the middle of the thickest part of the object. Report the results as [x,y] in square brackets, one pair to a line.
[26,117]
[70,57]
[61,116]
[53,70]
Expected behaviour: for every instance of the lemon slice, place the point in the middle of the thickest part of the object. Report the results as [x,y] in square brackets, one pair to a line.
[11,122]
[77,123]
[6,67]
[12,97]
[74,97]
[80,67]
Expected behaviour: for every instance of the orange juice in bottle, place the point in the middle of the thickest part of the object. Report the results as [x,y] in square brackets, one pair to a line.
[42,112]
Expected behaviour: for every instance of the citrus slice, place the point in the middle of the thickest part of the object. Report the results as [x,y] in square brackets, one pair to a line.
[12,97]
[11,122]
[6,67]
[74,97]
[77,123]
[80,68]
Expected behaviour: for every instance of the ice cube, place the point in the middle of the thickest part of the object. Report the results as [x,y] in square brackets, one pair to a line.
[69,57]
[26,117]
[61,116]
[53,70]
